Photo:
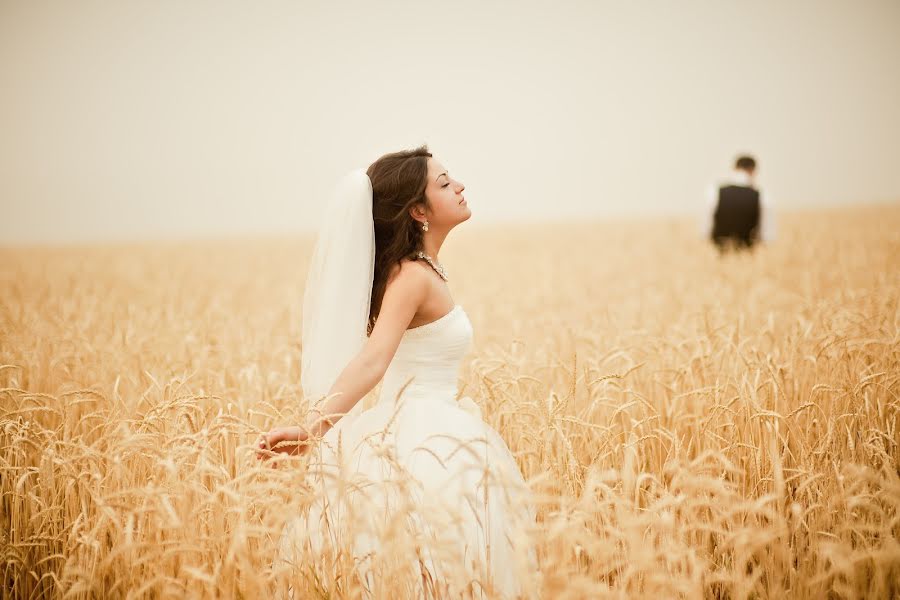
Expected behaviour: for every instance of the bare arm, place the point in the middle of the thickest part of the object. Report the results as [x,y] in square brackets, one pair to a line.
[707,219]
[766,219]
[404,295]
[402,299]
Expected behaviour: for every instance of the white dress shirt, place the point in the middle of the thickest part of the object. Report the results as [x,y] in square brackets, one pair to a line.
[743,178]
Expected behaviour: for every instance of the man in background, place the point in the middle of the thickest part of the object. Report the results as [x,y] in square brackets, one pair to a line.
[738,216]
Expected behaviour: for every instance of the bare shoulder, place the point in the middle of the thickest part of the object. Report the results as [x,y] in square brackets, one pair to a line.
[409,272]
[410,278]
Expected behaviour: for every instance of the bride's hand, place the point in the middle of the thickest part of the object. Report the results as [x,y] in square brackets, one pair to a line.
[285,440]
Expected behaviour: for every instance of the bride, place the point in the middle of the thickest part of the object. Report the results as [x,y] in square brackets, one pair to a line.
[417,495]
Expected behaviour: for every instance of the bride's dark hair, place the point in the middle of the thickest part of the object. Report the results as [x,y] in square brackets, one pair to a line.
[398,183]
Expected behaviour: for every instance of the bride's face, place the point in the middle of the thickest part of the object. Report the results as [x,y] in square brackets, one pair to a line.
[446,205]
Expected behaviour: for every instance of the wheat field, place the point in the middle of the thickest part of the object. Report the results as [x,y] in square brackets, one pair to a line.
[694,426]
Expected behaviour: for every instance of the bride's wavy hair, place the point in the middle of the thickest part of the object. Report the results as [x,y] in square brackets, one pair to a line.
[398,183]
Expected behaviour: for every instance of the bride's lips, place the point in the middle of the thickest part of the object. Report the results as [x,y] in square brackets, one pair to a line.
[463,201]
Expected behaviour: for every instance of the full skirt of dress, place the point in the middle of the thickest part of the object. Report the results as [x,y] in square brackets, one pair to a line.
[417,497]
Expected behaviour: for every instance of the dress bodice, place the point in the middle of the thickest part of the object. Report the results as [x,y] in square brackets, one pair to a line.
[428,359]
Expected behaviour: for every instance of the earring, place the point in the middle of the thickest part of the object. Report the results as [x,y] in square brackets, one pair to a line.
[425,226]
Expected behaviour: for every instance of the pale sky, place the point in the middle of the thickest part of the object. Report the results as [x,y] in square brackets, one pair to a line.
[134,120]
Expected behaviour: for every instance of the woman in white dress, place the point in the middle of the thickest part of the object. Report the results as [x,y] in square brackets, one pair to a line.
[417,495]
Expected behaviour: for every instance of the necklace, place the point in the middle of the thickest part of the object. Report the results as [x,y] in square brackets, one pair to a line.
[438,268]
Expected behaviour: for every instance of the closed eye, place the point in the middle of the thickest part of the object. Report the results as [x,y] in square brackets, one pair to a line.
[445,185]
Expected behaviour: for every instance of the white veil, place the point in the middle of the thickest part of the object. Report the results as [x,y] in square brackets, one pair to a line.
[338,287]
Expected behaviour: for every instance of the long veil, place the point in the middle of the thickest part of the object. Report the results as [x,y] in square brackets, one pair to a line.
[338,287]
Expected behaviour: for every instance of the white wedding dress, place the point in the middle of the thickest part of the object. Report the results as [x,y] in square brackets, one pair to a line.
[418,487]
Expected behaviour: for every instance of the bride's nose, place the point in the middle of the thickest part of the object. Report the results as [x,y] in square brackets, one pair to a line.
[461,186]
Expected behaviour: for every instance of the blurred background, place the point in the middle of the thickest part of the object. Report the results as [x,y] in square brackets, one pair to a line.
[154,120]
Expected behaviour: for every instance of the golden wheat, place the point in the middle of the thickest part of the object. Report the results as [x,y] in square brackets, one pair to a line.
[695,426]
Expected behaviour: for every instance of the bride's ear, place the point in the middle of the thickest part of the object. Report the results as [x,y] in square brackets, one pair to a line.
[417,212]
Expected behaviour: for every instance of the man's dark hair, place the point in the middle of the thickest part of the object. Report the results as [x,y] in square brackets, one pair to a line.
[745,163]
